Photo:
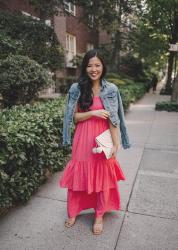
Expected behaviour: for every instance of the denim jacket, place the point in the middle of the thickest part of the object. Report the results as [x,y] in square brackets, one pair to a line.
[112,102]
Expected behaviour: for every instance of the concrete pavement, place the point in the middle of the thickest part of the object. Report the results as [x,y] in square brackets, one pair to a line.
[148,219]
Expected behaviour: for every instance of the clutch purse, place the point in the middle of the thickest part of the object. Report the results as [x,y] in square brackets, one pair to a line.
[104,144]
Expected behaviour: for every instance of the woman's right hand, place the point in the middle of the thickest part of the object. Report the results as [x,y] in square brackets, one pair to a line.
[102,113]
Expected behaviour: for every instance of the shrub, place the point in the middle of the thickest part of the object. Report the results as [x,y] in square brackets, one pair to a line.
[115,78]
[167,106]
[20,80]
[128,81]
[30,146]
[131,93]
[113,75]
[26,36]
[131,66]
[130,90]
[63,84]
[8,45]
[116,81]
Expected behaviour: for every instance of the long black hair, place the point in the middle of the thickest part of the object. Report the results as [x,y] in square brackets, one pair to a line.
[85,83]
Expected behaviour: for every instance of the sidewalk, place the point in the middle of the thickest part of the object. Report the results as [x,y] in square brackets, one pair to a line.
[148,219]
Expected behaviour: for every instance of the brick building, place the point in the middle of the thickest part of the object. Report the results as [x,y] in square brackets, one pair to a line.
[75,37]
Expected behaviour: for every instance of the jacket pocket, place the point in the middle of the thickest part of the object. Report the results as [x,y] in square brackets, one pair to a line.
[111,95]
[112,100]
[73,96]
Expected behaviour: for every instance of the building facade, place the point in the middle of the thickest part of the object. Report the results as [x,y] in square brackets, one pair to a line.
[74,36]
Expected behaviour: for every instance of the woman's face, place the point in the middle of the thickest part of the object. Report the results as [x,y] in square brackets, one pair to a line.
[94,69]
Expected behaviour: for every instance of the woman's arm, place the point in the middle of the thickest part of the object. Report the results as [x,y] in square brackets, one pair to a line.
[82,116]
[123,130]
[115,138]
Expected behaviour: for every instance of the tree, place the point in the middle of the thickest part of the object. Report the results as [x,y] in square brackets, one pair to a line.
[24,35]
[110,16]
[148,46]
[20,80]
[162,15]
[174,96]
[47,8]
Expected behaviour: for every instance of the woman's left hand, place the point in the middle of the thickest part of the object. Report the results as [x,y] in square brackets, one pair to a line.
[114,150]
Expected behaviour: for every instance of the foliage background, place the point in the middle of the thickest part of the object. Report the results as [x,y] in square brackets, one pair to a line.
[20,34]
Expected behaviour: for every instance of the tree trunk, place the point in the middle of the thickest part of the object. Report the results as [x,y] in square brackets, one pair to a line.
[115,58]
[172,55]
[168,87]
[174,96]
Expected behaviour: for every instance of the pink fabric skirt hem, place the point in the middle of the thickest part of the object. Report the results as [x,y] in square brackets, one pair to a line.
[101,202]
[91,176]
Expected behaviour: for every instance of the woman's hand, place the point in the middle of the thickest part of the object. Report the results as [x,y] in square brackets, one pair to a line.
[114,150]
[82,116]
[102,113]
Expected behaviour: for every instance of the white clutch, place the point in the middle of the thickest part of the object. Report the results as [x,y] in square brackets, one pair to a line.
[104,143]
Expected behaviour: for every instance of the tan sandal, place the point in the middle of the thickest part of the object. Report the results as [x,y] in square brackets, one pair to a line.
[98,227]
[70,222]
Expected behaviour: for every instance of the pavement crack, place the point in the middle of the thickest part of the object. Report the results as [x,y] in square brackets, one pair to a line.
[44,197]
[153,216]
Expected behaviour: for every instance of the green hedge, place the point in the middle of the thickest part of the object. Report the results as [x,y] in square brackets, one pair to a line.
[30,146]
[167,106]
[21,79]
[63,84]
[130,90]
[116,81]
[131,93]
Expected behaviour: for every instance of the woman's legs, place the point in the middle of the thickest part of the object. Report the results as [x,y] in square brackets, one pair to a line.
[78,201]
[73,209]
[102,201]
[106,200]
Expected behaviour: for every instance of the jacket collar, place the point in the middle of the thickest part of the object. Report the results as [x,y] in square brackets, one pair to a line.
[103,84]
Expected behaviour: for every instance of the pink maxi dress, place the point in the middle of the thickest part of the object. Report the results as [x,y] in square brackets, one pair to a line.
[91,179]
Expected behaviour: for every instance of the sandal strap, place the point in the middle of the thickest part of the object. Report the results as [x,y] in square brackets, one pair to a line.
[98,227]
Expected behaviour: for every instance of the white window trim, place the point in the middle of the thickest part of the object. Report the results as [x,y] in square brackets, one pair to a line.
[70,50]
[47,21]
[91,21]
[70,7]
[28,14]
[90,46]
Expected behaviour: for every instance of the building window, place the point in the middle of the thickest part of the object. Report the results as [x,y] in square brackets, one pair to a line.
[117,7]
[70,50]
[48,22]
[90,20]
[70,7]
[90,46]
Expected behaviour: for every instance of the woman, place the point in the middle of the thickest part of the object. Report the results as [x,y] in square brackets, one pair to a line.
[95,105]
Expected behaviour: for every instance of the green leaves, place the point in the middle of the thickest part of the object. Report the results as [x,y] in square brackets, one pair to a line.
[130,90]
[47,8]
[24,35]
[167,106]
[20,79]
[30,146]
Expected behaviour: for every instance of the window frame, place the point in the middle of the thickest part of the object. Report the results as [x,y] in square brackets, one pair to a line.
[70,7]
[71,49]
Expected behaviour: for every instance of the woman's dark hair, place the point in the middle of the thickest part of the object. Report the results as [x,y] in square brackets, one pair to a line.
[85,83]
